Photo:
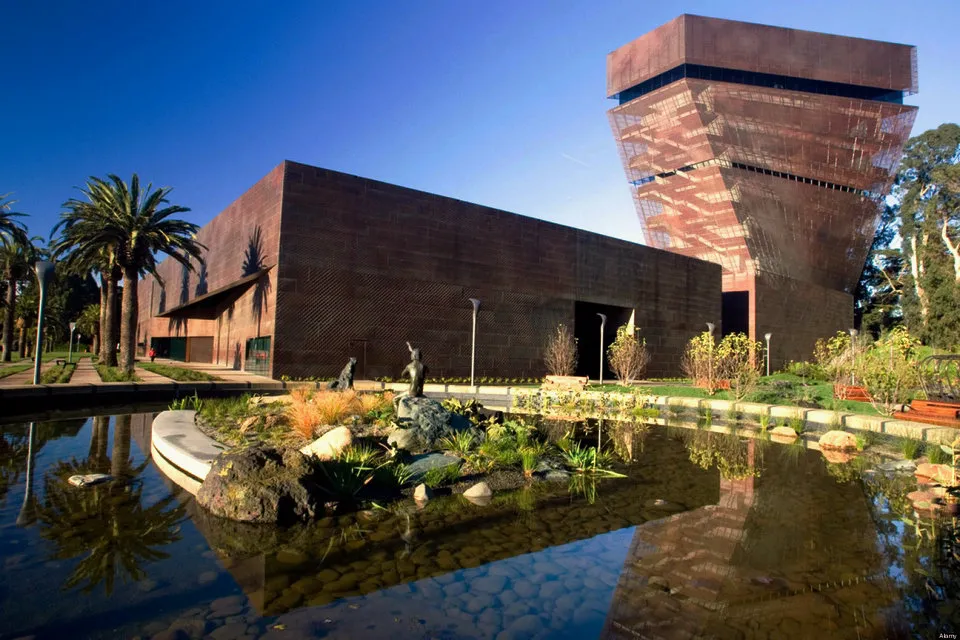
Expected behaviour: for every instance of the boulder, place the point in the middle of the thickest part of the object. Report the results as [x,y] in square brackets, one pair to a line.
[329,445]
[423,422]
[261,484]
[422,493]
[783,434]
[937,473]
[838,440]
[421,464]
[837,456]
[479,493]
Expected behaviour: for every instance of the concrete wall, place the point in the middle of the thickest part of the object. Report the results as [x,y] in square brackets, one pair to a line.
[366,266]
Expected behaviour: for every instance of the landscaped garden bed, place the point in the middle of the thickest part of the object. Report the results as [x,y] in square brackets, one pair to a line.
[180,374]
[59,373]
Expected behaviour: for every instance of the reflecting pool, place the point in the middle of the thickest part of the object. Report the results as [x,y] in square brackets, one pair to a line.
[709,535]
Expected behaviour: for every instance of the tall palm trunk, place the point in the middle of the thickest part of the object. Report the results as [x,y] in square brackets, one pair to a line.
[121,446]
[108,344]
[11,306]
[98,444]
[23,339]
[128,320]
[102,331]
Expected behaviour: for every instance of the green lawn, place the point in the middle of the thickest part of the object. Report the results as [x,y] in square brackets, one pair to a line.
[180,374]
[52,355]
[777,389]
[10,369]
[58,374]
[115,374]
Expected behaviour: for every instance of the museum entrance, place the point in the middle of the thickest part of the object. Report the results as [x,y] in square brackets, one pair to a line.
[736,312]
[586,329]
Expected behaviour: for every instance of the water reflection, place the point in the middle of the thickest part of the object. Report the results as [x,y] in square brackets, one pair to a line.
[106,525]
[711,535]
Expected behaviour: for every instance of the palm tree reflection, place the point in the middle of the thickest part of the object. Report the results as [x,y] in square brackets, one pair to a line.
[106,525]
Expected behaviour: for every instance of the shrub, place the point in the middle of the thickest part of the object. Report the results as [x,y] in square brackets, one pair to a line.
[937,455]
[889,372]
[809,370]
[698,362]
[833,355]
[115,374]
[861,442]
[909,448]
[460,443]
[529,459]
[58,374]
[308,411]
[628,356]
[560,355]
[440,476]
[764,418]
[736,360]
[798,423]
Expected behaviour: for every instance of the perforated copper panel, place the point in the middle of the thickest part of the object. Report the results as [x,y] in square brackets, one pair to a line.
[764,181]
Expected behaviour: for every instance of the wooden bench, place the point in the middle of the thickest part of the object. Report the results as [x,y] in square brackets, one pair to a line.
[942,414]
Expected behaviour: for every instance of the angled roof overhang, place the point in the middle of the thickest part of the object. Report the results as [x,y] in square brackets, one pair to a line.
[209,305]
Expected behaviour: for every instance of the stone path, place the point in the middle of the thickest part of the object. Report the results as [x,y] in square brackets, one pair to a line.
[85,373]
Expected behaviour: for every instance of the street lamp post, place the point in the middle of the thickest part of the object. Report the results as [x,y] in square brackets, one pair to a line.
[73,326]
[473,343]
[44,273]
[603,323]
[853,355]
[766,337]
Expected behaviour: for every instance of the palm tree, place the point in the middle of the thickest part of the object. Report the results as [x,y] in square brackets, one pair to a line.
[130,226]
[81,249]
[13,240]
[88,323]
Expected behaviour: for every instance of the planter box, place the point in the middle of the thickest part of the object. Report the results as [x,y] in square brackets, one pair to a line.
[850,392]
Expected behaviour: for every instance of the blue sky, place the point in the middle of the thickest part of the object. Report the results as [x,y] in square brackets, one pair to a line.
[496,102]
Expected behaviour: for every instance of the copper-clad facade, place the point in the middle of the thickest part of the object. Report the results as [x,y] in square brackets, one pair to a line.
[767,151]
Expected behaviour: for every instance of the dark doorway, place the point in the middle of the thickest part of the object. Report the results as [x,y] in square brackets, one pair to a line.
[257,358]
[736,312]
[586,329]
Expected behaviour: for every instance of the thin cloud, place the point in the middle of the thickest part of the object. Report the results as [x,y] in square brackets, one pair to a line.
[572,159]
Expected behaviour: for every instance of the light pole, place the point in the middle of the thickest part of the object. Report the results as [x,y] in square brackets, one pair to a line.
[766,337]
[473,343]
[603,323]
[44,273]
[73,326]
[853,355]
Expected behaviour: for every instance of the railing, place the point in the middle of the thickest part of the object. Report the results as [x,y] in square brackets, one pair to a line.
[941,378]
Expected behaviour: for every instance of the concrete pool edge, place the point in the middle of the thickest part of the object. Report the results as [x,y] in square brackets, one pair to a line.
[185,453]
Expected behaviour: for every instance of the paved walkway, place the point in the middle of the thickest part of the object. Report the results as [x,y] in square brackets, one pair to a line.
[85,373]
[227,374]
[24,377]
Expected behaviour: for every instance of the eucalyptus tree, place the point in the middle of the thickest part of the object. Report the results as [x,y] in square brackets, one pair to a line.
[128,226]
